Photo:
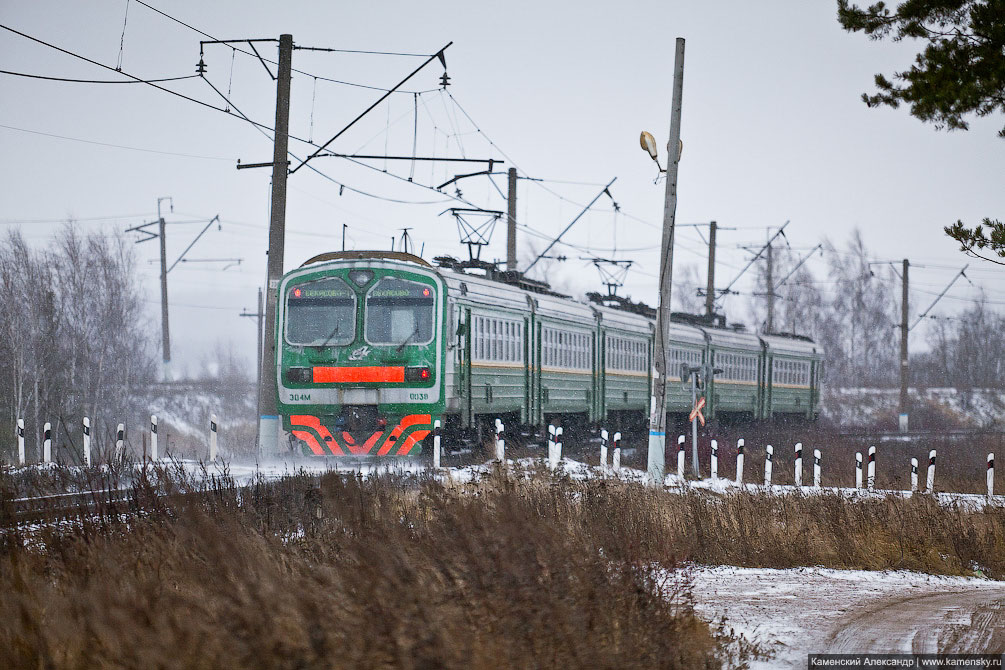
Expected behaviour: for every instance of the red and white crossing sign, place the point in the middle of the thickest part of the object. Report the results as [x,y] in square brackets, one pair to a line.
[696,412]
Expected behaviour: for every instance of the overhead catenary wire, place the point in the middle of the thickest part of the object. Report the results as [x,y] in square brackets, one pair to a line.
[73,80]
[246,53]
[118,146]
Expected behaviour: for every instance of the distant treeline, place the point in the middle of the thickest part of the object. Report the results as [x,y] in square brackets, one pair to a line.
[854,313]
[72,337]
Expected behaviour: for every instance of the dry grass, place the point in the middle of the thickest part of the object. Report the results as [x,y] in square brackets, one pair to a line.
[345,573]
[391,571]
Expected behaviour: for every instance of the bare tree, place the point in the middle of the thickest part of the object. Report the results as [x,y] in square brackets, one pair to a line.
[73,341]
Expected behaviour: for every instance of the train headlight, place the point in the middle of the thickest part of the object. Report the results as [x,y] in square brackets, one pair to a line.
[417,374]
[300,375]
[361,277]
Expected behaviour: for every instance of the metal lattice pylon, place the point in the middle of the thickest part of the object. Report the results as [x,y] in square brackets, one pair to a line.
[474,228]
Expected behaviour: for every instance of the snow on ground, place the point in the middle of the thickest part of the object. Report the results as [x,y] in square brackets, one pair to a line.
[275,469]
[798,611]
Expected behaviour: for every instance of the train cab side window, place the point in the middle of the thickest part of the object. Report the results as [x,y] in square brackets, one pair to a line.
[399,312]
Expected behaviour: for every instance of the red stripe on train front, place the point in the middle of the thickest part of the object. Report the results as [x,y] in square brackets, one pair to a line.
[310,440]
[315,423]
[376,374]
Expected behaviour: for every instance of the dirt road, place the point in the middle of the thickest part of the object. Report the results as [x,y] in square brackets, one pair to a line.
[955,621]
[792,613]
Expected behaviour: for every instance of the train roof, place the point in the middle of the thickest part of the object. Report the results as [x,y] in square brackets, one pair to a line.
[520,296]
[726,337]
[796,345]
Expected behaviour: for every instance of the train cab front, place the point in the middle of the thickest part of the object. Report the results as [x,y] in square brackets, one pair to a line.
[361,357]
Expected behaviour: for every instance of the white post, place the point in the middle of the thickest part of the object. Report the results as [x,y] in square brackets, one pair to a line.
[616,458]
[153,437]
[931,471]
[871,478]
[120,438]
[739,462]
[20,441]
[799,463]
[715,460]
[991,474]
[212,437]
[914,475]
[436,444]
[47,442]
[603,450]
[500,441]
[858,469]
[768,451]
[554,447]
[680,457]
[87,442]
[816,468]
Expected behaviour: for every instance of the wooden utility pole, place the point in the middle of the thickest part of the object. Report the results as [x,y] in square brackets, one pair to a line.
[710,286]
[771,289]
[258,316]
[656,462]
[268,414]
[165,330]
[904,370]
[511,223]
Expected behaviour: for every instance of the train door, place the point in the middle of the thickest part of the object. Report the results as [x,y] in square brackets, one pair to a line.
[528,370]
[464,366]
[536,389]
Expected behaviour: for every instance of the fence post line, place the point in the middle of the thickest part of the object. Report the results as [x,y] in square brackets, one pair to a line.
[739,462]
[871,478]
[436,444]
[120,438]
[914,475]
[715,460]
[500,441]
[87,442]
[799,463]
[858,469]
[768,452]
[153,437]
[816,468]
[991,474]
[680,457]
[212,437]
[931,471]
[616,458]
[603,450]
[47,442]
[20,441]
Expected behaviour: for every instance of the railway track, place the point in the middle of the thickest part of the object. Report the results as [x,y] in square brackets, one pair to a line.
[62,506]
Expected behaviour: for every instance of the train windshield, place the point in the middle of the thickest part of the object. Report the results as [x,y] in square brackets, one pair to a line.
[321,313]
[399,312]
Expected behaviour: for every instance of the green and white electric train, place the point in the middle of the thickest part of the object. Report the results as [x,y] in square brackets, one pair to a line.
[373,347]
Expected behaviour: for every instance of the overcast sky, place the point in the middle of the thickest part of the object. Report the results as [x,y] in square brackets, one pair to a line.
[773,128]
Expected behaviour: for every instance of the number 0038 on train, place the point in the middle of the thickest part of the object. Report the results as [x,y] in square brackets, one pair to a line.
[373,347]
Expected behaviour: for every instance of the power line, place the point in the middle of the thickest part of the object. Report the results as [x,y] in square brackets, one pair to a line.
[246,53]
[107,67]
[260,126]
[117,146]
[97,81]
